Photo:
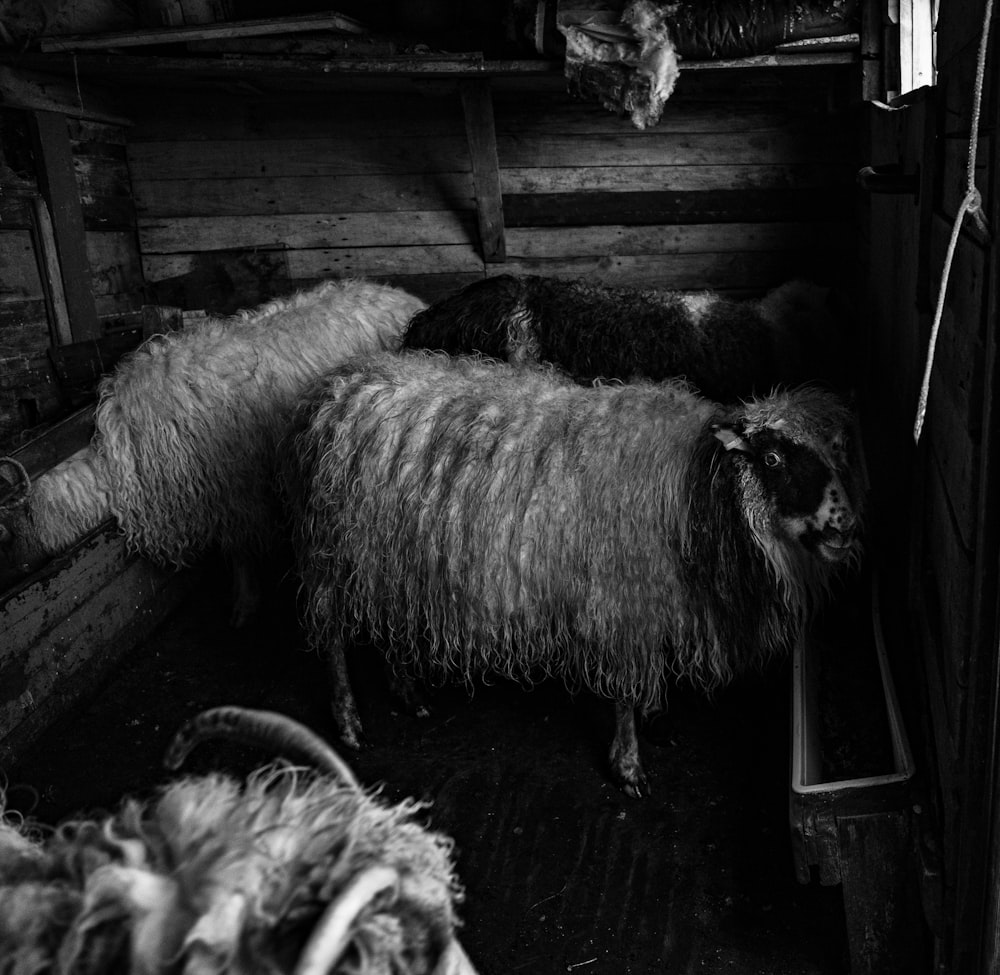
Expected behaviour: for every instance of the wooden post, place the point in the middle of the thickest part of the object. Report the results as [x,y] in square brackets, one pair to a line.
[983,713]
[477,104]
[47,257]
[872,87]
[881,908]
[57,182]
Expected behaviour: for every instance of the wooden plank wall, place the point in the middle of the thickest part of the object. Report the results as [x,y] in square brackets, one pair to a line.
[109,217]
[961,483]
[746,183]
[242,199]
[31,323]
[27,389]
[943,491]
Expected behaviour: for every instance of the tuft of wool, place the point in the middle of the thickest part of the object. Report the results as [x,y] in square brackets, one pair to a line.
[639,53]
[217,875]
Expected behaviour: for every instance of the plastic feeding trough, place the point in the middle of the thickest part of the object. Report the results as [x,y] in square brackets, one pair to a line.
[850,802]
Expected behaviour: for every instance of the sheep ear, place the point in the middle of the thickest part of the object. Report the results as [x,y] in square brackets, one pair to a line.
[731,440]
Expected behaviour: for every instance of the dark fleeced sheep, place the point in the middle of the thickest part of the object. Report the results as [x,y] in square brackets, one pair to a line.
[183,454]
[482,517]
[294,870]
[727,349]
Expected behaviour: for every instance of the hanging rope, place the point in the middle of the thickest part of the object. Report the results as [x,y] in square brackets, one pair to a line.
[972,203]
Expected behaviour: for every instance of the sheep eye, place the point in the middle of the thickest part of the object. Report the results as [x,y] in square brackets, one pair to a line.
[772,459]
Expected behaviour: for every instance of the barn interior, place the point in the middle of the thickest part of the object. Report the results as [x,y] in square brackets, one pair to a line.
[167,160]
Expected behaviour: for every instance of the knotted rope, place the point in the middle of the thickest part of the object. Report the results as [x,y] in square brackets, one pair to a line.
[972,204]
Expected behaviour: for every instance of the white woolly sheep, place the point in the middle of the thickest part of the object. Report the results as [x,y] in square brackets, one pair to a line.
[186,430]
[294,870]
[482,517]
[727,349]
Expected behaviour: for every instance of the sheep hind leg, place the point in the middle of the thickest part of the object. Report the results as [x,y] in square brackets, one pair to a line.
[343,705]
[626,767]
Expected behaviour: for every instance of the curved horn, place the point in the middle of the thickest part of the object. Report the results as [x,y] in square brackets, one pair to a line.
[332,932]
[455,961]
[266,729]
[22,475]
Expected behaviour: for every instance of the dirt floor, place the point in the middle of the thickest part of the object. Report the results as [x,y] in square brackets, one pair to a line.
[563,873]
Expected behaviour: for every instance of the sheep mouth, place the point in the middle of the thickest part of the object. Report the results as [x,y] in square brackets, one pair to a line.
[835,546]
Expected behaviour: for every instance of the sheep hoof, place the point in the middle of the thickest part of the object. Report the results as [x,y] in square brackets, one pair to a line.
[349,725]
[353,740]
[636,790]
[632,781]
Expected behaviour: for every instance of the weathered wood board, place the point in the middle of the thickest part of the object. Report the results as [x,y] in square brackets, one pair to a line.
[169,235]
[387,194]
[68,626]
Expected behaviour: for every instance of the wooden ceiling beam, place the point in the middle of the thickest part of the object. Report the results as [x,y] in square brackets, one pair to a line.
[200,32]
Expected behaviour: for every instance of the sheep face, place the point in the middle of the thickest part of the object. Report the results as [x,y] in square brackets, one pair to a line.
[796,476]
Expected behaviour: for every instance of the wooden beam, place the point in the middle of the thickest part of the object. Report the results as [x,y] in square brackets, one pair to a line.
[36,91]
[201,32]
[149,71]
[477,104]
[791,60]
[47,256]
[57,443]
[872,85]
[57,182]
[835,42]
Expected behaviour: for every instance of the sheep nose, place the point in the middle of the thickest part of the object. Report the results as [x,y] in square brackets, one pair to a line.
[837,511]
[842,519]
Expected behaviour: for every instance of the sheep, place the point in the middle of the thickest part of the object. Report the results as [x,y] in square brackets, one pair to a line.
[725,348]
[295,869]
[183,454]
[481,517]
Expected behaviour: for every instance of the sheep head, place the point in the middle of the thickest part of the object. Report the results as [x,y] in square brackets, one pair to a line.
[43,518]
[800,483]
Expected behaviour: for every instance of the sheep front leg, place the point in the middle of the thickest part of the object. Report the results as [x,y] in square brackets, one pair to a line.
[344,707]
[626,768]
